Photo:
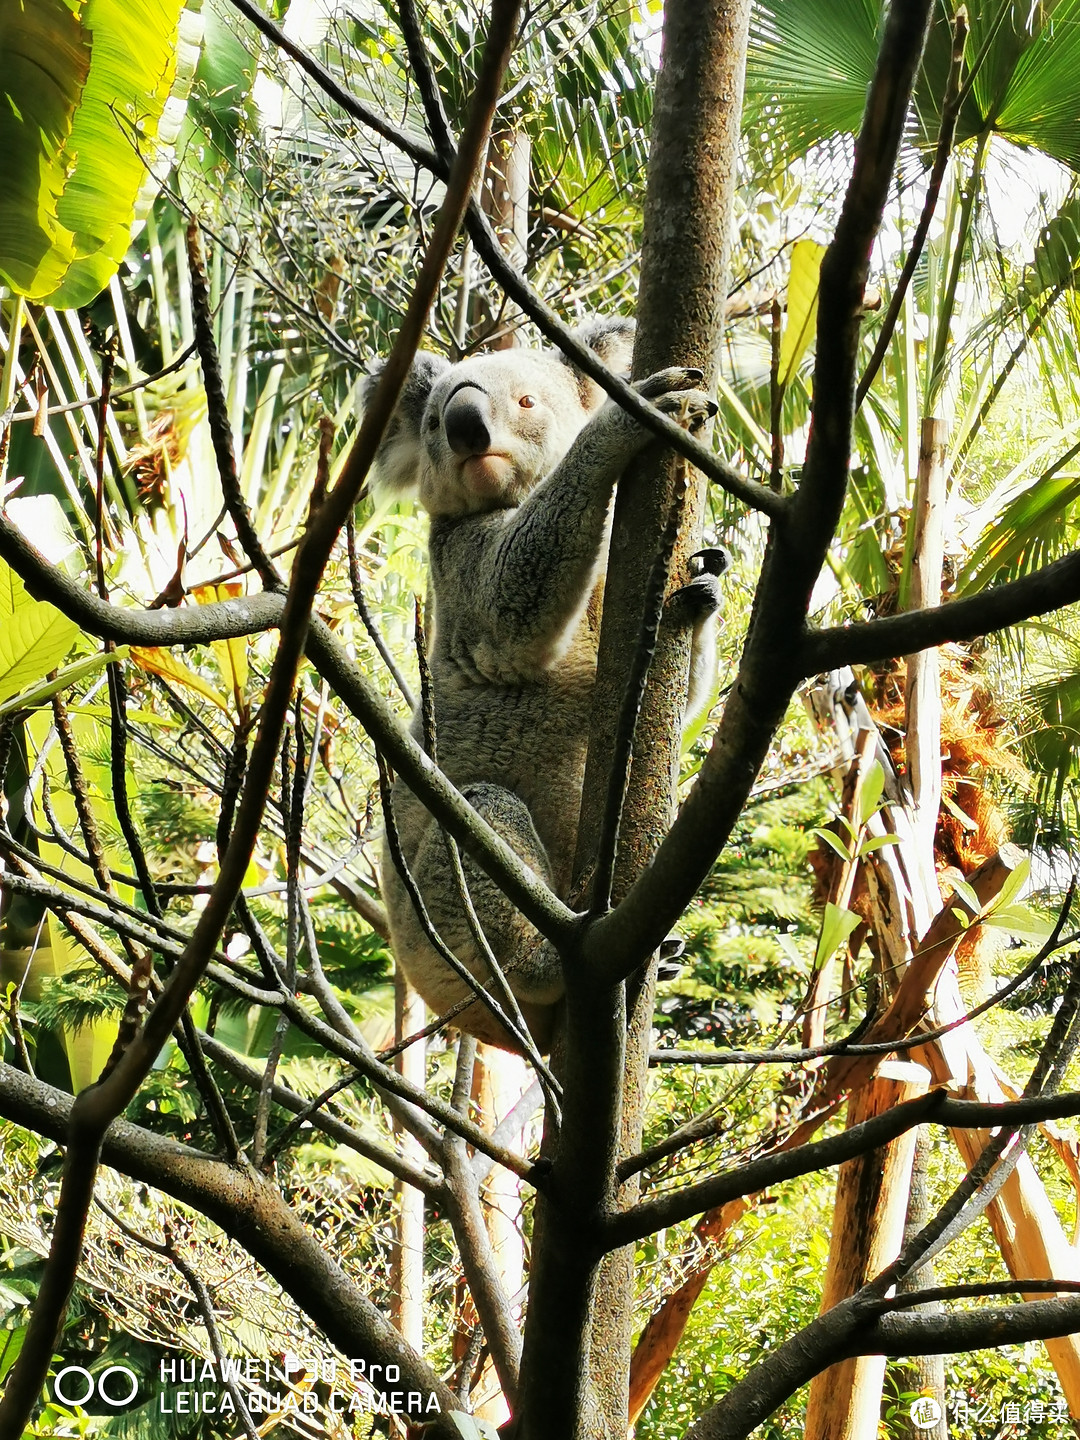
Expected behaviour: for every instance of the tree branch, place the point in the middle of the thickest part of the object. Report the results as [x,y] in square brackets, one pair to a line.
[773,660]
[251,1212]
[934,1108]
[1049,588]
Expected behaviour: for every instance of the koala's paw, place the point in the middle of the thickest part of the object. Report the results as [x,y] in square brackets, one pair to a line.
[700,598]
[691,408]
[677,377]
[672,391]
[670,961]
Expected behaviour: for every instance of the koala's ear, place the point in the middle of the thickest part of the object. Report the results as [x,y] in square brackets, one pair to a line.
[397,461]
[612,337]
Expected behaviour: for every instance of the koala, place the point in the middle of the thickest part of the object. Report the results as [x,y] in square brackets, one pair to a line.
[515,456]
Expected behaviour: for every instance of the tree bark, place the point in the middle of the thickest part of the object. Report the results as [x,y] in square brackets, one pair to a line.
[684,270]
[925,1373]
[505,198]
[407,1267]
[582,1310]
[868,1227]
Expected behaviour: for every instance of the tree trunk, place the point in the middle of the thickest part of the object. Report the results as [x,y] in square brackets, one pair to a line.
[577,1307]
[407,1268]
[868,1226]
[499,1080]
[505,198]
[684,269]
[925,1373]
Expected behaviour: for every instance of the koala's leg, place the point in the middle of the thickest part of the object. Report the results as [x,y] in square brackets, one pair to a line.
[530,964]
[697,605]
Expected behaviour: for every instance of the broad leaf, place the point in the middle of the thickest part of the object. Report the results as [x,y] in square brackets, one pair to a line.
[802,304]
[162,662]
[1020,921]
[810,63]
[87,86]
[68,675]
[870,794]
[836,925]
[1034,529]
[34,636]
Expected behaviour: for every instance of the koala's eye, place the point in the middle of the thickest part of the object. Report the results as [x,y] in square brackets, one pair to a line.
[527,402]
[433,422]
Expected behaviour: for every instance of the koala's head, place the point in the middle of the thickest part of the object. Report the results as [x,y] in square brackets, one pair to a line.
[479,435]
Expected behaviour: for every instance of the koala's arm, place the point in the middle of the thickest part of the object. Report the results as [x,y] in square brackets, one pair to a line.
[520,579]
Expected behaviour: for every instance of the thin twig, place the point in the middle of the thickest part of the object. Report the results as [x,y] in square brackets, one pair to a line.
[1054,942]
[630,709]
[356,581]
[217,414]
[203,1299]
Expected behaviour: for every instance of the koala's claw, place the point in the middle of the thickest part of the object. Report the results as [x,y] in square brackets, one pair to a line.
[671,963]
[691,408]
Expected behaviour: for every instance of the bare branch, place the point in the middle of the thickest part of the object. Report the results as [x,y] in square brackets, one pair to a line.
[1049,588]
[633,696]
[94,1108]
[251,1211]
[462,1201]
[934,1108]
[356,581]
[308,1112]
[217,415]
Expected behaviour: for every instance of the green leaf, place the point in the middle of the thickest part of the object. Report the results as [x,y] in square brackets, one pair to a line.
[34,636]
[833,842]
[11,1342]
[802,304]
[86,85]
[836,925]
[1014,883]
[878,843]
[1039,104]
[967,894]
[67,675]
[870,795]
[1021,921]
[1034,529]
[809,65]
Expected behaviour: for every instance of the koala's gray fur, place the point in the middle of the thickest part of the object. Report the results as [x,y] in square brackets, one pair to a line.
[516,456]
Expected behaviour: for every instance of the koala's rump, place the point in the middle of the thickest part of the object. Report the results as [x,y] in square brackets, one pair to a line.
[530,739]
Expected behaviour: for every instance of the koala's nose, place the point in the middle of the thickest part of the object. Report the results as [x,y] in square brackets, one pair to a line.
[466,422]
